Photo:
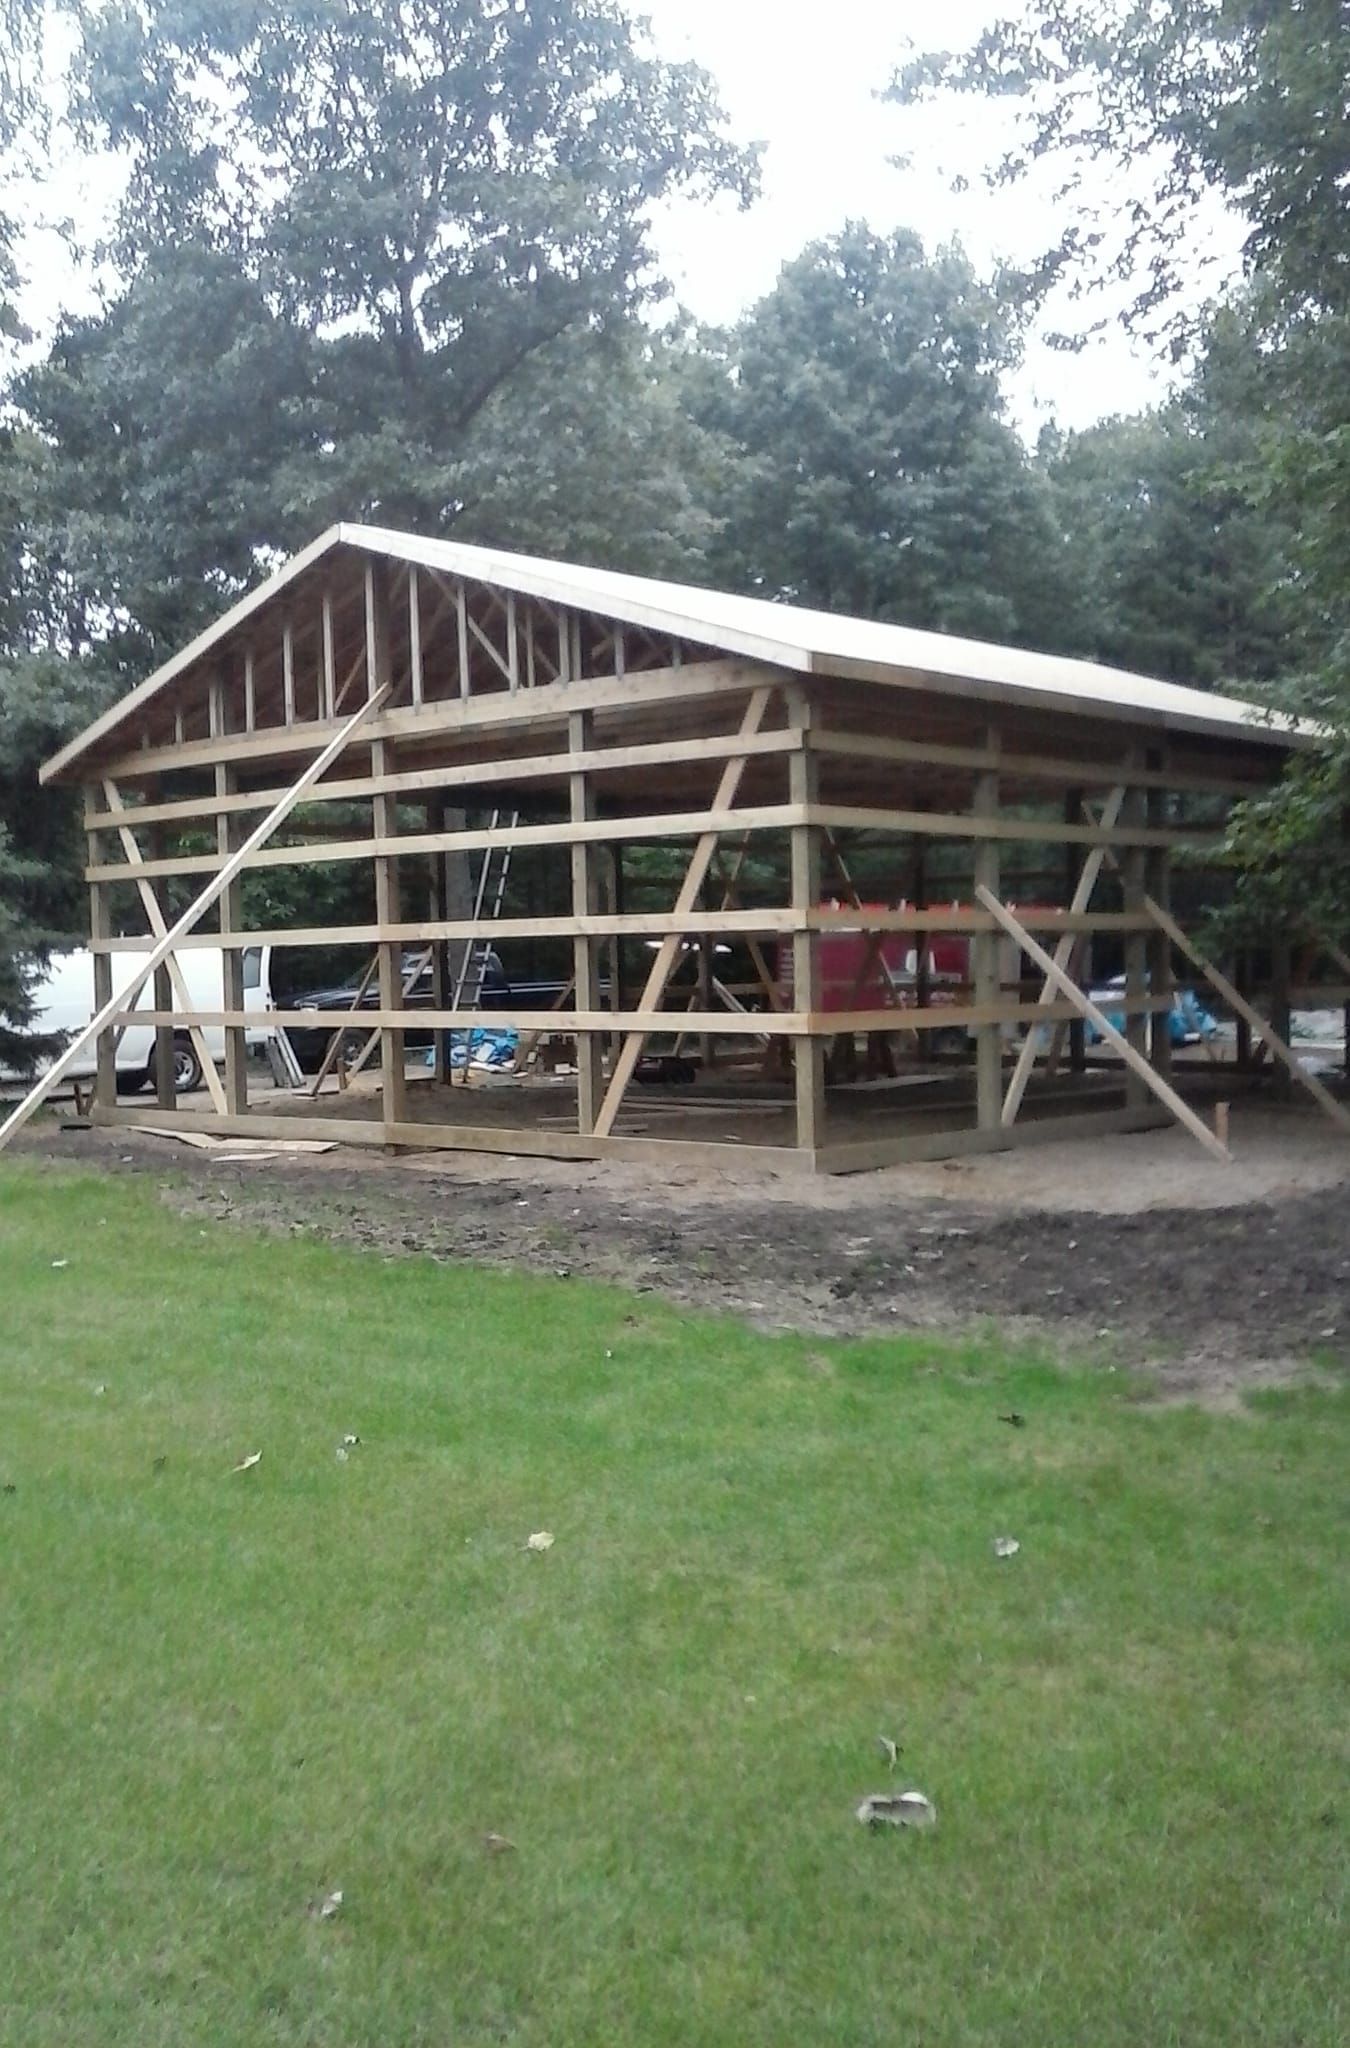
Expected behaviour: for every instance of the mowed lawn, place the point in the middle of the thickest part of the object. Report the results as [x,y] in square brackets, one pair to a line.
[229,1695]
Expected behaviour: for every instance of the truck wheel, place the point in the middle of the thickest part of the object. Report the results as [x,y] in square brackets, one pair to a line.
[187,1068]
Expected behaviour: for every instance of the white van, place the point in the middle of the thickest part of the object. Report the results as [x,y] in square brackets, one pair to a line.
[64,1001]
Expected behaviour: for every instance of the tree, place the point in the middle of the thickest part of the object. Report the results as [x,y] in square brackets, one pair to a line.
[21,953]
[869,468]
[1172,569]
[1250,99]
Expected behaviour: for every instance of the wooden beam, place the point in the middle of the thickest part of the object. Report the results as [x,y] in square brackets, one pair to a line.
[415,636]
[191,917]
[1025,767]
[393,1047]
[1103,1026]
[668,951]
[661,826]
[100,928]
[1065,952]
[808,1054]
[988,1037]
[1267,1033]
[329,704]
[581,800]
[560,1144]
[472,775]
[498,711]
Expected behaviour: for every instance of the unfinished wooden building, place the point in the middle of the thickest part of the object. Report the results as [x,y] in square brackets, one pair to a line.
[719,788]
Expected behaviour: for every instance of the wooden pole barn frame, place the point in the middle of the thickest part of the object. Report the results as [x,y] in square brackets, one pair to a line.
[743,739]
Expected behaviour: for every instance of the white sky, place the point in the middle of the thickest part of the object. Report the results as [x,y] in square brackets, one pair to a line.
[802,78]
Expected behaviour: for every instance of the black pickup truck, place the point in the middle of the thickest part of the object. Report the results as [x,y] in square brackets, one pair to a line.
[330,1005]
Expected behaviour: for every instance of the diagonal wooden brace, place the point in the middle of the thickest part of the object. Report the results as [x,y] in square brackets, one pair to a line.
[112,796]
[669,949]
[1065,950]
[1068,988]
[1260,1028]
[190,919]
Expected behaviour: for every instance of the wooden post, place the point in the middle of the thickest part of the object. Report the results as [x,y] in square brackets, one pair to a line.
[100,928]
[329,659]
[166,1092]
[414,637]
[582,807]
[1074,860]
[1158,951]
[393,1056]
[437,911]
[985,956]
[808,1054]
[231,922]
[1134,872]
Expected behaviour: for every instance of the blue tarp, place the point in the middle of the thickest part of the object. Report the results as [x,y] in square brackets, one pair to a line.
[479,1048]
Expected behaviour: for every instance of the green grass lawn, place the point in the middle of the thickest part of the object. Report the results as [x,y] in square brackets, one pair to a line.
[228,1695]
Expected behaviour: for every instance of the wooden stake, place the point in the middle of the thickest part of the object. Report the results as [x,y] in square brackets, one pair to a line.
[1260,1029]
[1182,1111]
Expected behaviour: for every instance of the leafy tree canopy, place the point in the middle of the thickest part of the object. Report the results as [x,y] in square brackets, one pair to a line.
[870,469]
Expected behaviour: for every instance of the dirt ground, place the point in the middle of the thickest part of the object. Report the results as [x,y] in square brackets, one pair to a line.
[1136,1251]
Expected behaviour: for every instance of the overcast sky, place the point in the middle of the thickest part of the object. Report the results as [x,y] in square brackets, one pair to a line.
[802,77]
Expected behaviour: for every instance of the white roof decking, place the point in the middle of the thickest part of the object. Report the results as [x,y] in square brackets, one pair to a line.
[785,636]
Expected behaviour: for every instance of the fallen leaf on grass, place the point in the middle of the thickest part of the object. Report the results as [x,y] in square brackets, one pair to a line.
[542,1539]
[897,1810]
[247,1464]
[890,1750]
[497,1845]
[1006,1546]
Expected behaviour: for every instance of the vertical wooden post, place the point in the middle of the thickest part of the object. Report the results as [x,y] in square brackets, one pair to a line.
[985,950]
[393,1080]
[1161,979]
[1074,858]
[808,1054]
[438,911]
[288,672]
[581,807]
[329,659]
[231,922]
[166,1093]
[613,947]
[1134,870]
[462,636]
[415,636]
[100,928]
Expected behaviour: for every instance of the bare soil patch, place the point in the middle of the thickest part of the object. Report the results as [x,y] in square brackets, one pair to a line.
[1139,1251]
